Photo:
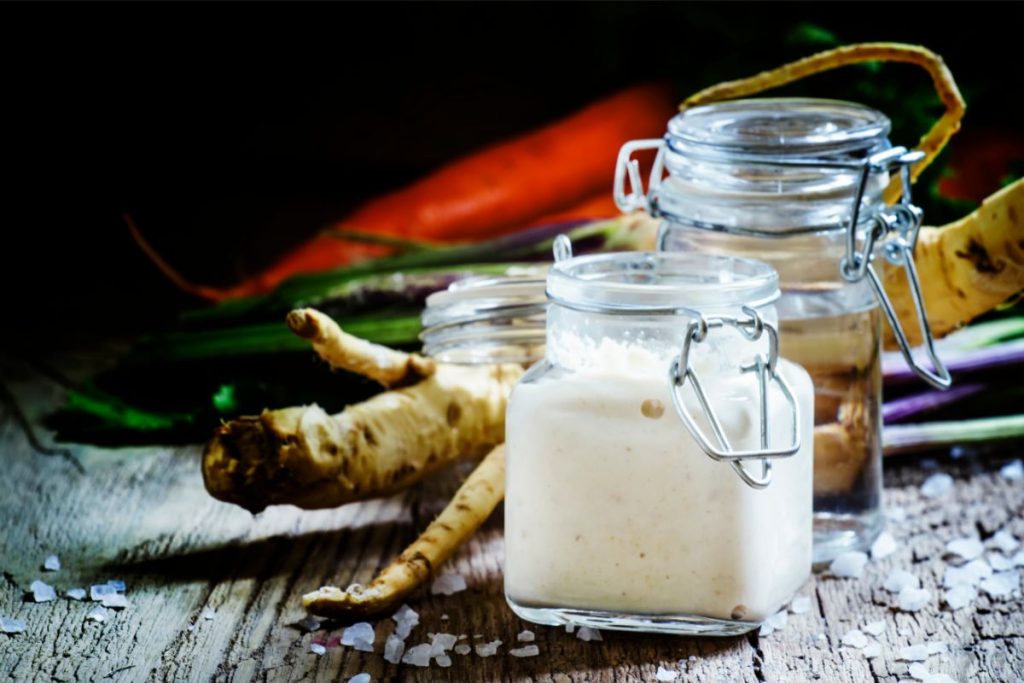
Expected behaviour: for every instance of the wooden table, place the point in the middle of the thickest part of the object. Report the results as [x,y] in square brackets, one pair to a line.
[142,515]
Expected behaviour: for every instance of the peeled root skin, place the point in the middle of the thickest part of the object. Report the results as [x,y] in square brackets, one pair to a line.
[472,505]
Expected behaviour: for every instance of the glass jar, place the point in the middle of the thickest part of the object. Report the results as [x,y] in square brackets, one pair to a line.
[659,456]
[798,183]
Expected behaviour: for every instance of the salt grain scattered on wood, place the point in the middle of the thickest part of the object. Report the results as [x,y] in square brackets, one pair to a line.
[98,592]
[883,546]
[998,562]
[970,574]
[913,599]
[418,655]
[443,661]
[897,514]
[588,634]
[1012,471]
[937,485]
[849,565]
[208,613]
[918,671]
[360,678]
[440,643]
[872,650]
[488,649]
[527,651]
[115,601]
[775,622]
[309,623]
[405,620]
[42,591]
[51,563]
[117,585]
[394,648]
[317,649]
[463,649]
[914,653]
[800,605]
[76,594]
[855,638]
[360,636]
[960,596]
[967,548]
[899,580]
[9,625]
[875,628]
[666,675]
[1001,584]
[1005,541]
[99,614]
[526,637]
[448,584]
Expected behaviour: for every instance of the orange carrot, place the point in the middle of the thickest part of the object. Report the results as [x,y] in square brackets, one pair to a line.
[493,191]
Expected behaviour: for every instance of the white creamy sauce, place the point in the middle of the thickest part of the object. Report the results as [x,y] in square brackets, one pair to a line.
[611,505]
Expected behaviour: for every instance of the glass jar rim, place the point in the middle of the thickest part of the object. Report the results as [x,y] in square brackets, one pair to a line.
[652,283]
[778,127]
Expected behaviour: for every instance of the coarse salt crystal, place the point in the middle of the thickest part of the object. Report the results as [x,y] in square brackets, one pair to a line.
[775,622]
[849,565]
[97,592]
[570,628]
[99,614]
[463,649]
[317,649]
[800,605]
[937,647]
[666,675]
[872,650]
[1005,541]
[418,655]
[360,678]
[526,651]
[440,643]
[405,620]
[115,600]
[526,637]
[998,562]
[1018,559]
[918,671]
[208,613]
[359,634]
[42,591]
[967,548]
[960,596]
[913,599]
[897,514]
[445,617]
[855,639]
[1012,471]
[76,594]
[488,649]
[875,628]
[448,584]
[1001,584]
[117,585]
[309,623]
[883,546]
[9,625]
[970,574]
[444,661]
[51,563]
[899,580]
[937,485]
[393,649]
[914,653]
[588,634]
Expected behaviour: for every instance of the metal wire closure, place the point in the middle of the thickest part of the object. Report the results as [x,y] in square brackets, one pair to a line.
[900,224]
[895,228]
[751,327]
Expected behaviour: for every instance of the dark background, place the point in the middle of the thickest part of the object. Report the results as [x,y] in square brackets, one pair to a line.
[231,131]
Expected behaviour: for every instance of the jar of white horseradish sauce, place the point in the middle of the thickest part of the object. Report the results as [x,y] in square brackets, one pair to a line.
[799,184]
[659,456]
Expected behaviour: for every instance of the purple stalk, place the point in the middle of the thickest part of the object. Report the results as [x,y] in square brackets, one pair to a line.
[901,409]
[895,371]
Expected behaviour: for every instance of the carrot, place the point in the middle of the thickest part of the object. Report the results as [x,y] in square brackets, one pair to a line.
[493,191]
[601,205]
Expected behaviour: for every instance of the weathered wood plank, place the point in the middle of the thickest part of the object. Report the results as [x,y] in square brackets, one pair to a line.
[141,514]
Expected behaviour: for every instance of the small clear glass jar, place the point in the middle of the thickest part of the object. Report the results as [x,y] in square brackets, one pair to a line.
[659,457]
[798,183]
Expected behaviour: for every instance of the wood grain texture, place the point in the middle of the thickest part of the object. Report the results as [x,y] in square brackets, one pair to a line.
[141,514]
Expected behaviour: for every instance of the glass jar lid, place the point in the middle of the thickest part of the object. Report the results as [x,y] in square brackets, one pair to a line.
[660,282]
[791,127]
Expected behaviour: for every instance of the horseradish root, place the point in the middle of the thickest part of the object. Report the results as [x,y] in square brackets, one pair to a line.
[471,506]
[966,267]
[343,351]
